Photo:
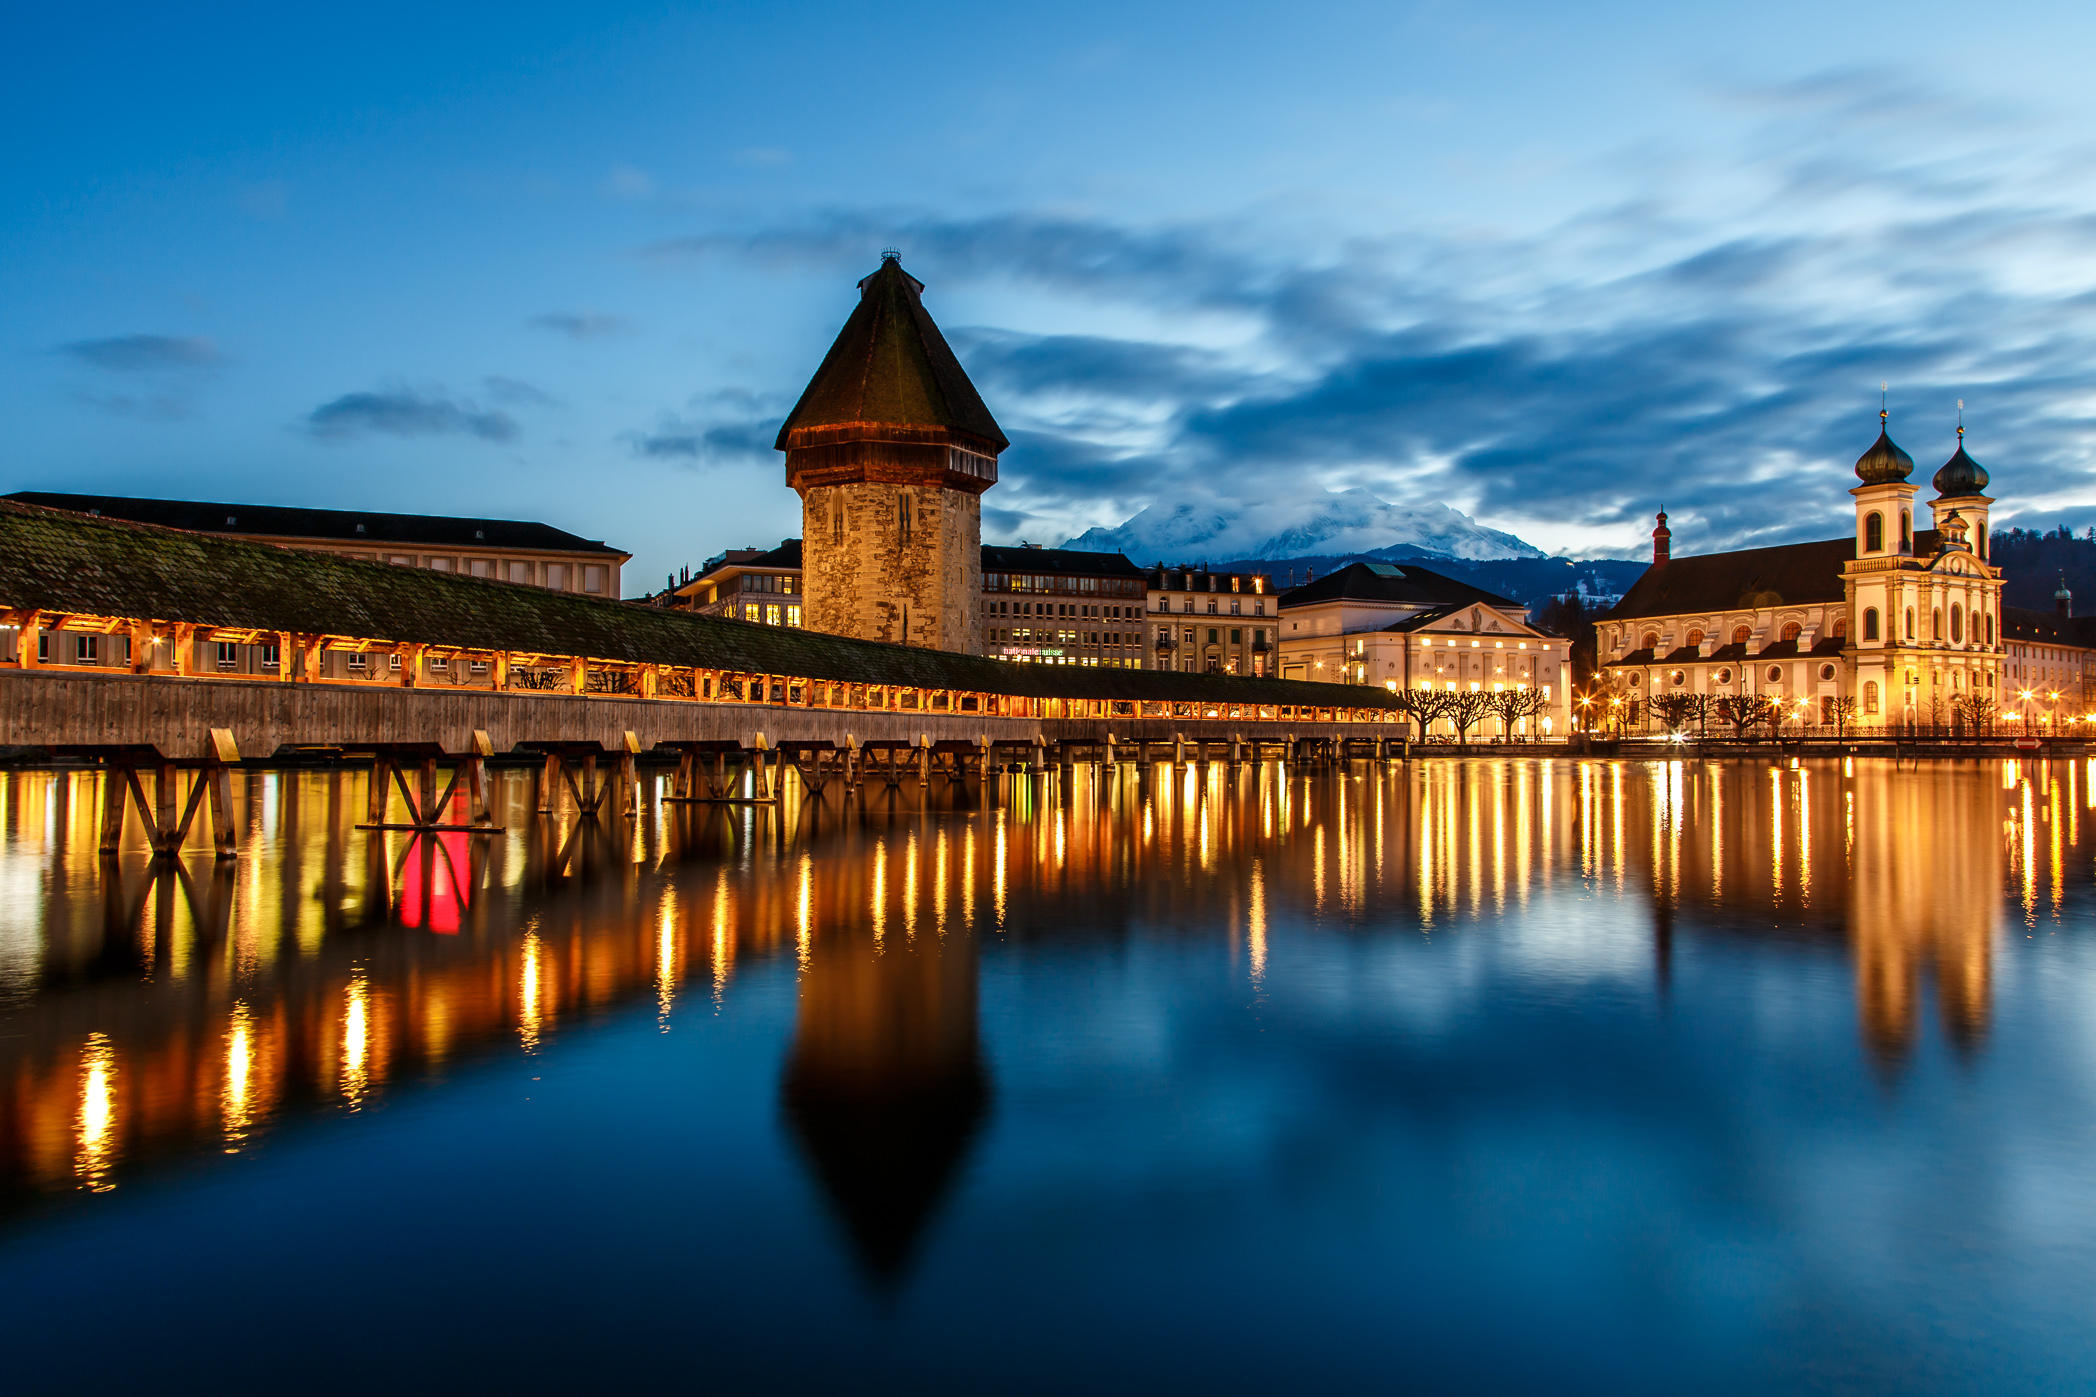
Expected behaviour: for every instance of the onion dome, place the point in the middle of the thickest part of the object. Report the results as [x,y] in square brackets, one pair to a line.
[1884,463]
[1961,475]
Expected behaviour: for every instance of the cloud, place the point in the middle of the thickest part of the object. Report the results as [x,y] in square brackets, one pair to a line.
[516,392]
[1706,334]
[144,353]
[702,444]
[406,413]
[580,324]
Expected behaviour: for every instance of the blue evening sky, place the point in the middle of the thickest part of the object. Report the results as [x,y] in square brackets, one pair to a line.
[1552,264]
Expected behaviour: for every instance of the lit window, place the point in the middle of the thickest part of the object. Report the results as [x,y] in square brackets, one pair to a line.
[793,616]
[750,611]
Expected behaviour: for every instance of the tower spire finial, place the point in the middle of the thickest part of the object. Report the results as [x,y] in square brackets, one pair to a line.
[1884,389]
[1961,421]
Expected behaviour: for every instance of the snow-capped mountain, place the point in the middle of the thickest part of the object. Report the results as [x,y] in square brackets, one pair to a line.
[1320,522]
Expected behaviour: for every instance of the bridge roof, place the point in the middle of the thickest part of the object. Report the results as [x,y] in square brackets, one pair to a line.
[56,561]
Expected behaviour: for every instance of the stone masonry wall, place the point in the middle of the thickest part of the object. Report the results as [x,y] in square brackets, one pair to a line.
[865,584]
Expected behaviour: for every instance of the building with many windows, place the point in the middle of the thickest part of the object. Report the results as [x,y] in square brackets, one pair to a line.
[1409,627]
[1062,606]
[503,550]
[1212,622]
[2048,672]
[749,584]
[1903,624]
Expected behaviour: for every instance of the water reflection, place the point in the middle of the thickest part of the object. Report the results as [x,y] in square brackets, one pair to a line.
[174,1009]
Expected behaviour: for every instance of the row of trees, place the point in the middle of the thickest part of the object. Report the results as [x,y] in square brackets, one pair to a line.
[1745,714]
[1464,709]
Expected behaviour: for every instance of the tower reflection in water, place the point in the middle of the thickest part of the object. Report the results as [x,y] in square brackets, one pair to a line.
[173,1010]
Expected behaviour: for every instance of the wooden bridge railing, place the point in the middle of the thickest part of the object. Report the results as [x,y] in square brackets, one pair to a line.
[170,649]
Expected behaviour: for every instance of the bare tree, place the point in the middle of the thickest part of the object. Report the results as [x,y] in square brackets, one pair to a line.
[1465,707]
[1840,711]
[1424,706]
[1974,712]
[1742,711]
[1675,708]
[1510,706]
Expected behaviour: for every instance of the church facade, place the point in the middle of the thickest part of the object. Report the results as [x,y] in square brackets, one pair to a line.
[1904,622]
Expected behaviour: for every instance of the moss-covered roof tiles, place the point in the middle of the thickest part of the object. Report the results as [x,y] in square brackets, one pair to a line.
[55,561]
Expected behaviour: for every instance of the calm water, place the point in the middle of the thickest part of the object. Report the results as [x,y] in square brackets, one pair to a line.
[1589,1076]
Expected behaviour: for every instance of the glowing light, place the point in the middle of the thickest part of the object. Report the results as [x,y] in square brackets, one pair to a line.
[356,1039]
[95,1148]
[530,992]
[233,1098]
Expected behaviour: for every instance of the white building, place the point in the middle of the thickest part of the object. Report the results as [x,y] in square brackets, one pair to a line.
[1905,622]
[1407,627]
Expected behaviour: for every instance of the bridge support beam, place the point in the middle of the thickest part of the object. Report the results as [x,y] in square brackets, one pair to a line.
[165,830]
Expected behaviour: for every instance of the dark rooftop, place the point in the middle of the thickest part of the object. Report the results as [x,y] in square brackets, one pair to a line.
[55,561]
[890,367]
[1784,575]
[335,525]
[2047,627]
[999,558]
[1388,582]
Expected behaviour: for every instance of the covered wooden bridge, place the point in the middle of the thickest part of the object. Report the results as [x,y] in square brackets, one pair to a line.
[152,648]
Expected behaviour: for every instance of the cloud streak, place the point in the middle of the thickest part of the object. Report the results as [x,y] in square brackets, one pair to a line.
[130,354]
[402,412]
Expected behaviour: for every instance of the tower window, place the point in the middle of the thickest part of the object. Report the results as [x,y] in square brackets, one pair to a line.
[1870,696]
[1906,531]
[1957,624]
[1874,533]
[1870,623]
[1910,623]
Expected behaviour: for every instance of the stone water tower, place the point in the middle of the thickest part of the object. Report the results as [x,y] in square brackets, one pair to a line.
[890,449]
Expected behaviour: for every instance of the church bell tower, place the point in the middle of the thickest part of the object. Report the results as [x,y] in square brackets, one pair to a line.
[890,449]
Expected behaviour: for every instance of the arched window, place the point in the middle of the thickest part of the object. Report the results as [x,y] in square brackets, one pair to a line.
[1695,637]
[1740,634]
[1650,641]
[1791,631]
[1840,629]
[1910,623]
[1870,623]
[1936,623]
[1906,531]
[1957,624]
[1874,533]
[1990,628]
[1870,696]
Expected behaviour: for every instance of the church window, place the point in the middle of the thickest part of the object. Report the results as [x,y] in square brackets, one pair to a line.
[1724,676]
[1840,628]
[1695,637]
[1791,631]
[1910,623]
[1906,531]
[1870,623]
[1870,696]
[1740,634]
[1874,533]
[1990,629]
[1936,623]
[1650,641]
[1826,671]
[1775,674]
[1957,624]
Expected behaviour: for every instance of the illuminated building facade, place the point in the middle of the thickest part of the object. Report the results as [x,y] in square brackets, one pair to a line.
[1213,622]
[1903,626]
[1407,627]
